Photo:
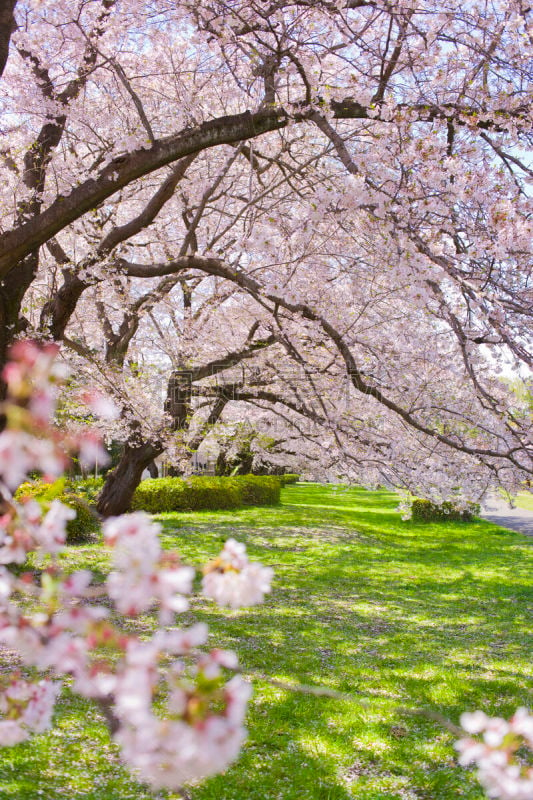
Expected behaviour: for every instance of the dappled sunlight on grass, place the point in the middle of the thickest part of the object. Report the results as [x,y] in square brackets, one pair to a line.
[400,615]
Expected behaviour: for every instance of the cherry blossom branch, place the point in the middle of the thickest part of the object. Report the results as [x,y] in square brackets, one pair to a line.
[352,697]
[69,636]
[217,267]
[123,170]
[58,311]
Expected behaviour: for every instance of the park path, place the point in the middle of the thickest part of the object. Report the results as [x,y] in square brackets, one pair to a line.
[517,519]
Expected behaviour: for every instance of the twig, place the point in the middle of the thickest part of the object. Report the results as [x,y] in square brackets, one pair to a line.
[324,691]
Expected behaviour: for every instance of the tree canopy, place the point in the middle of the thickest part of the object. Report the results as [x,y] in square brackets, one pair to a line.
[331,197]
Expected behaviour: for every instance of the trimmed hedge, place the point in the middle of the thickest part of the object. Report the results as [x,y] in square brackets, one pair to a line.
[258,490]
[427,511]
[157,495]
[289,477]
[205,493]
[83,527]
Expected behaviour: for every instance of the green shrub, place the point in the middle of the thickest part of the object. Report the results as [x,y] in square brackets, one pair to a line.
[427,511]
[289,477]
[157,495]
[205,493]
[85,524]
[80,529]
[89,488]
[211,493]
[259,490]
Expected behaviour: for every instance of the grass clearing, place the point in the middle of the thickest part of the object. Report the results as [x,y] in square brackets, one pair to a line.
[524,500]
[399,614]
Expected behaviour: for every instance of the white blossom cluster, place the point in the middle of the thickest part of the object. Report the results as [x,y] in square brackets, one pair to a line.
[201,729]
[234,581]
[500,769]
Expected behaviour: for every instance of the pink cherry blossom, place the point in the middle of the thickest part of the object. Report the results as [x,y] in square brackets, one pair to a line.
[136,528]
[16,457]
[234,554]
[233,581]
[100,404]
[23,638]
[180,641]
[96,682]
[31,367]
[24,528]
[52,533]
[91,451]
[78,619]
[29,706]
[12,732]
[64,653]
[169,753]
[6,585]
[16,542]
[141,576]
[500,772]
[42,406]
[76,583]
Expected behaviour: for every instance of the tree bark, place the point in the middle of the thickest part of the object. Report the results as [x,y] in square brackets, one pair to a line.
[178,400]
[58,310]
[116,495]
[12,322]
[7,26]
[221,466]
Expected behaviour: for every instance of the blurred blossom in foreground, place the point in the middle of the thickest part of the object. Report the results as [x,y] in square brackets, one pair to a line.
[64,630]
[234,581]
[501,753]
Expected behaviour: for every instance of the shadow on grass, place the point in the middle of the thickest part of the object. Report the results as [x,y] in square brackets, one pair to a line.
[405,614]
[402,615]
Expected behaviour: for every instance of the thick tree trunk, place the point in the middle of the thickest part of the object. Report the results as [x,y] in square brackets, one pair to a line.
[152,469]
[115,497]
[178,401]
[7,27]
[221,466]
[12,322]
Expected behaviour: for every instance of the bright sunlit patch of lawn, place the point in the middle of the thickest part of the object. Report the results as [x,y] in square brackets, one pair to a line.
[401,615]
[524,500]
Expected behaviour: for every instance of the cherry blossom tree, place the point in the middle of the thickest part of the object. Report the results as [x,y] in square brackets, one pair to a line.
[157,378]
[297,378]
[200,730]
[66,631]
[357,169]
[352,177]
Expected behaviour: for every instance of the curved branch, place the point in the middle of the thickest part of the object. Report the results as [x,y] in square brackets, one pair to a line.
[217,267]
[123,170]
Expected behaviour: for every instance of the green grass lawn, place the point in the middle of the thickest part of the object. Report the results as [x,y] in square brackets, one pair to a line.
[402,615]
[524,500]
[521,500]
